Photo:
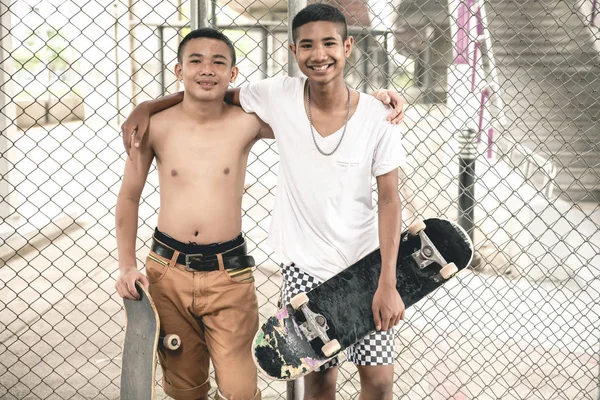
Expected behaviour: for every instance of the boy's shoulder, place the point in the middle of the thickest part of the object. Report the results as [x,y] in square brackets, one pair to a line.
[374,111]
[163,119]
[232,111]
[374,107]
[167,114]
[283,82]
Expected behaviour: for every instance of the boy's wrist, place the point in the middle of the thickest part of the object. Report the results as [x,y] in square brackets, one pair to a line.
[147,106]
[127,267]
[387,279]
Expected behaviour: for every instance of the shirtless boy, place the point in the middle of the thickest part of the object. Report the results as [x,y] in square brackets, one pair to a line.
[198,271]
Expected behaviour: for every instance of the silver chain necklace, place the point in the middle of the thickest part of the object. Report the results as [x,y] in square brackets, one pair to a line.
[311,124]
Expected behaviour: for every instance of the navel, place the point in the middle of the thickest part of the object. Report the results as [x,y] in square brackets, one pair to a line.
[226,171]
[173,172]
[196,234]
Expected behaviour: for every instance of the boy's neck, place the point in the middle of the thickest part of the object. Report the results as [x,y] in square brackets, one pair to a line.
[329,96]
[203,111]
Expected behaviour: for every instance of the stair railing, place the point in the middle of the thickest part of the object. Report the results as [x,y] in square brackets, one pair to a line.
[490,95]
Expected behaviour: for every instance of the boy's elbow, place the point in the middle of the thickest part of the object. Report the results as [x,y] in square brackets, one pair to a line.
[127,199]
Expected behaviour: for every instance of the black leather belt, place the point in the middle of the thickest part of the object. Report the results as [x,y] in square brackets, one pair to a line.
[200,262]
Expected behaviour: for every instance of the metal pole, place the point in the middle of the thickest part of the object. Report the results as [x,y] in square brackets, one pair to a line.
[213,13]
[428,65]
[293,8]
[466,177]
[8,117]
[294,389]
[200,14]
[365,60]
[387,80]
[264,44]
[161,57]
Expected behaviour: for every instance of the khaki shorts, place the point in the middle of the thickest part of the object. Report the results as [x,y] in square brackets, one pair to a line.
[216,316]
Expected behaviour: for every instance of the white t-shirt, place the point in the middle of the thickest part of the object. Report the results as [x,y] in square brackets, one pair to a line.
[324,217]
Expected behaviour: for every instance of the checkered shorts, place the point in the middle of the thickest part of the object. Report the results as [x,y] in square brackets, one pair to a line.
[375,349]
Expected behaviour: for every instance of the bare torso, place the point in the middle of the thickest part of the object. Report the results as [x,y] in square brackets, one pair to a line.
[201,168]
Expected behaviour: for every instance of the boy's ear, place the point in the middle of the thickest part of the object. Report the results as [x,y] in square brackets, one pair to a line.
[348,44]
[234,74]
[293,50]
[178,72]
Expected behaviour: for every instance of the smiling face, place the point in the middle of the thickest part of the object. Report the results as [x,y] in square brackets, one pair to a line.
[206,69]
[321,51]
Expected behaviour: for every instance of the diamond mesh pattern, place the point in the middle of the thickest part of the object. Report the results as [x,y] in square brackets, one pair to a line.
[506,140]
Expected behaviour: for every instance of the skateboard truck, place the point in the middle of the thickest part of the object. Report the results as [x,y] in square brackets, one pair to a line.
[315,325]
[428,253]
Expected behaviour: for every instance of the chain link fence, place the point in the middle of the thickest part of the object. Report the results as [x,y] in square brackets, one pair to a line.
[502,134]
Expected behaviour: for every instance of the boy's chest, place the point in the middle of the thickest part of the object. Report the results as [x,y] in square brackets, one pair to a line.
[325,124]
[351,140]
[196,147]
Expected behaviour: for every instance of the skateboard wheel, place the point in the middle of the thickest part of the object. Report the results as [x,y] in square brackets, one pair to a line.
[331,348]
[172,342]
[448,271]
[416,227]
[299,300]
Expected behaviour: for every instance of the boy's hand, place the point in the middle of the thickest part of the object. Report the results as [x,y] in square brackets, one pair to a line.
[393,98]
[125,283]
[134,128]
[388,307]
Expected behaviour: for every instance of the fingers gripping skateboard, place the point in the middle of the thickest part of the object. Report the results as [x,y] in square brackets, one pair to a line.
[428,253]
[315,325]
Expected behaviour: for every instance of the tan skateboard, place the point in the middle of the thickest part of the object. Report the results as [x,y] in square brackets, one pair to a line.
[142,337]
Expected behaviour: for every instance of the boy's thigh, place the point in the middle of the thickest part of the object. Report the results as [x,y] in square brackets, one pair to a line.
[185,370]
[231,321]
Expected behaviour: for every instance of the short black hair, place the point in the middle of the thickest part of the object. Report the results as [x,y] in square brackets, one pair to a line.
[205,33]
[319,12]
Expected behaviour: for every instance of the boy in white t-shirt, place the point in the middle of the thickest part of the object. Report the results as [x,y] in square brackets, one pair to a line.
[332,141]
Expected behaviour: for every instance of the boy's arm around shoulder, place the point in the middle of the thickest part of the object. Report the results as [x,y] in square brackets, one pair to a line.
[251,124]
[394,99]
[126,218]
[135,126]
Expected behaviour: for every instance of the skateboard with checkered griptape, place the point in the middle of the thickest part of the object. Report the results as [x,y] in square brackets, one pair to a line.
[315,326]
[142,337]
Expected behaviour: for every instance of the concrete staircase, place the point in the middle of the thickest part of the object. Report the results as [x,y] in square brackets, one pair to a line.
[549,74]
[550,78]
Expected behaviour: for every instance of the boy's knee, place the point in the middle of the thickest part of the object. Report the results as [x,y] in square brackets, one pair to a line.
[238,396]
[378,387]
[325,391]
[377,382]
[321,387]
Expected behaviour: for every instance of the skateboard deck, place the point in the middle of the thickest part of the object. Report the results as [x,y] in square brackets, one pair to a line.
[142,329]
[337,313]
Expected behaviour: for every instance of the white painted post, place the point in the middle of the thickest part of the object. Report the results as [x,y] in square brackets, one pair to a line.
[294,389]
[8,117]
[200,14]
